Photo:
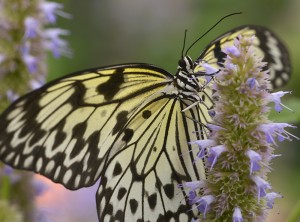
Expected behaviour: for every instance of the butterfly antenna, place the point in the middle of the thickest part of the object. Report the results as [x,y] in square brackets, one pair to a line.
[184,39]
[236,13]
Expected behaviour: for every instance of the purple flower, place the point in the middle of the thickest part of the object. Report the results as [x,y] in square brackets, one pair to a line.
[13,177]
[215,152]
[212,113]
[261,185]
[31,62]
[255,158]
[203,144]
[214,127]
[203,204]
[55,43]
[193,185]
[276,98]
[209,71]
[232,50]
[35,84]
[51,9]
[237,215]
[192,197]
[272,129]
[270,198]
[32,27]
[252,82]
[12,96]
[39,186]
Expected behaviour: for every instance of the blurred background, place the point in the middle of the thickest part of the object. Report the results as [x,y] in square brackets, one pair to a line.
[114,32]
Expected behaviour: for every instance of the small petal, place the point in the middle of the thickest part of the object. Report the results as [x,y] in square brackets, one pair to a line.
[232,50]
[203,204]
[203,144]
[276,98]
[255,158]
[252,82]
[214,127]
[14,178]
[261,185]
[272,129]
[31,63]
[2,58]
[270,198]
[192,197]
[35,84]
[209,69]
[231,66]
[237,215]
[215,152]
[193,185]
[39,186]
[32,27]
[51,9]
[12,96]
[212,113]
[55,43]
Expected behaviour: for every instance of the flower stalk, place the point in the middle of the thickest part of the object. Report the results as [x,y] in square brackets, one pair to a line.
[242,140]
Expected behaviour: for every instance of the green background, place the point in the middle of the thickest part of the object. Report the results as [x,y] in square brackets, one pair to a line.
[118,31]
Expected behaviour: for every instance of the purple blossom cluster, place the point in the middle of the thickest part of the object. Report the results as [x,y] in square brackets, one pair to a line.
[24,41]
[26,34]
[242,140]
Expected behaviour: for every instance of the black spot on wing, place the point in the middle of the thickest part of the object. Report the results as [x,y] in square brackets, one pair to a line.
[118,217]
[128,134]
[219,54]
[133,205]
[78,131]
[152,200]
[112,86]
[169,190]
[117,170]
[122,191]
[146,114]
[121,121]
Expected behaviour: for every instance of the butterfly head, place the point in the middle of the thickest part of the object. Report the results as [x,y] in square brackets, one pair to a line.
[186,65]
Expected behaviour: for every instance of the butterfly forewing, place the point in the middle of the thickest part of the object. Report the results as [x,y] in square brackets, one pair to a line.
[59,129]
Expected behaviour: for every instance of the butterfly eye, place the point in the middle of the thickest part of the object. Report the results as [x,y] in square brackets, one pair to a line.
[182,63]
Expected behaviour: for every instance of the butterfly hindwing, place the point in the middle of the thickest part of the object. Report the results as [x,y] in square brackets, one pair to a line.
[156,160]
[266,44]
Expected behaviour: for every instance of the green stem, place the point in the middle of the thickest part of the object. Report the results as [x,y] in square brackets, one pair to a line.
[5,188]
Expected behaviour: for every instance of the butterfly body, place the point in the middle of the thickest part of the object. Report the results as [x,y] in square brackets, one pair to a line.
[129,125]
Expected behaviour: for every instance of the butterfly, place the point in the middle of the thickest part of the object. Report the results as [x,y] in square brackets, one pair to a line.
[125,124]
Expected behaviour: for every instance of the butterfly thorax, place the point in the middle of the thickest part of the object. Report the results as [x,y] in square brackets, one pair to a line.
[185,82]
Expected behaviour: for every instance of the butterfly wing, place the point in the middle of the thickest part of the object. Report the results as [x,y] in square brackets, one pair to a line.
[155,161]
[267,45]
[120,123]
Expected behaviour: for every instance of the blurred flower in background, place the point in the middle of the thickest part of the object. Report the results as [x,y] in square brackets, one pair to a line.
[26,34]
